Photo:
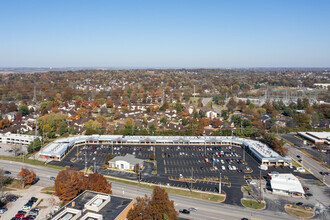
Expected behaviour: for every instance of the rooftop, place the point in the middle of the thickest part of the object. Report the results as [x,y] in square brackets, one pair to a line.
[128,158]
[93,205]
[286,182]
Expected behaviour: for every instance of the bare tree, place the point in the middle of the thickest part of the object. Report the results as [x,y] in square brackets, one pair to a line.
[16,149]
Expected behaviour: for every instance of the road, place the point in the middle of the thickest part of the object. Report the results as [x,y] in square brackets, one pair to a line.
[310,164]
[206,210]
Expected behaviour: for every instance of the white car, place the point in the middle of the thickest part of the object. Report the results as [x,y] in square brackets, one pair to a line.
[216,168]
[223,162]
[223,167]
[26,207]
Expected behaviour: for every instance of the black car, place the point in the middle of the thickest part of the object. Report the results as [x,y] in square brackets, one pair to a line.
[309,194]
[7,172]
[184,211]
[299,203]
[22,212]
[15,218]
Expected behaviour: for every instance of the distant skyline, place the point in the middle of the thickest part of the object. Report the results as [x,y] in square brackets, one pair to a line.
[165,34]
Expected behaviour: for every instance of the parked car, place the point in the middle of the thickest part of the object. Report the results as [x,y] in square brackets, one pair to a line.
[3,210]
[19,215]
[306,188]
[7,172]
[184,211]
[52,178]
[13,198]
[299,203]
[27,206]
[192,209]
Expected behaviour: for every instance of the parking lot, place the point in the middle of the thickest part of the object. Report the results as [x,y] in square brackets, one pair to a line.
[91,153]
[177,165]
[46,203]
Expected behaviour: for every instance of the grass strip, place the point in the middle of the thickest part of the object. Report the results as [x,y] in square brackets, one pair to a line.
[181,192]
[299,211]
[252,204]
[31,162]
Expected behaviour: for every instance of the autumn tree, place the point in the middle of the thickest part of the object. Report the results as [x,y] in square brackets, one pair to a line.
[92,127]
[27,176]
[216,122]
[69,183]
[231,105]
[97,182]
[159,206]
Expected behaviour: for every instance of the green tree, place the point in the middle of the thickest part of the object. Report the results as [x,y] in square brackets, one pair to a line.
[35,145]
[92,127]
[24,110]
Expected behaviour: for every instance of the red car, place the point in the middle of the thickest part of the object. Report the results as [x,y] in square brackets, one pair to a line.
[19,215]
[306,188]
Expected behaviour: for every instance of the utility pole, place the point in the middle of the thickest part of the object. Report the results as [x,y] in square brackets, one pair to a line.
[192,176]
[243,154]
[85,160]
[260,186]
[220,184]
[205,148]
[112,147]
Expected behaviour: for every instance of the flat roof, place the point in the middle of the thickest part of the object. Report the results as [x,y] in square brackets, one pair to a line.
[110,211]
[286,182]
[320,135]
[262,151]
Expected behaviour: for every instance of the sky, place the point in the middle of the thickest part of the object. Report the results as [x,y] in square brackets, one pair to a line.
[165,33]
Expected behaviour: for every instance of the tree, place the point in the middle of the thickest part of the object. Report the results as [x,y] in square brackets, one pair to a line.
[35,145]
[224,114]
[216,122]
[24,110]
[16,149]
[69,183]
[302,120]
[92,127]
[108,158]
[231,105]
[97,182]
[152,156]
[157,207]
[27,176]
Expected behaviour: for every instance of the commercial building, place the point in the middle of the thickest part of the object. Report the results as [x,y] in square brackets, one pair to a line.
[261,152]
[316,137]
[18,139]
[285,184]
[95,205]
[126,162]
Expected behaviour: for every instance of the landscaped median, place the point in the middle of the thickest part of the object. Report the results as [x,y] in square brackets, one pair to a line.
[182,192]
[252,204]
[30,161]
[299,211]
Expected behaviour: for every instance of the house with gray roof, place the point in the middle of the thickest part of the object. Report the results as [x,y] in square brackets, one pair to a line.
[126,162]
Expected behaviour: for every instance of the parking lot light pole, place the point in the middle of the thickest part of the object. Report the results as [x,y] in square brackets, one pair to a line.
[220,184]
[205,148]
[260,186]
[192,175]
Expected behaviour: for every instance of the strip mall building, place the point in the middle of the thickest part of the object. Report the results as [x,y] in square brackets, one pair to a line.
[261,152]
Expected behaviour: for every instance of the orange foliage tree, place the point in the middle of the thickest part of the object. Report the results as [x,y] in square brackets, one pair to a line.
[27,176]
[159,206]
[69,183]
[97,182]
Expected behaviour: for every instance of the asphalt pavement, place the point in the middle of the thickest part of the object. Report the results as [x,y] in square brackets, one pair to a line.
[206,209]
[310,164]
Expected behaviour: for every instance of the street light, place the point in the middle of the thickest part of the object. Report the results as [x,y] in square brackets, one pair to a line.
[220,184]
